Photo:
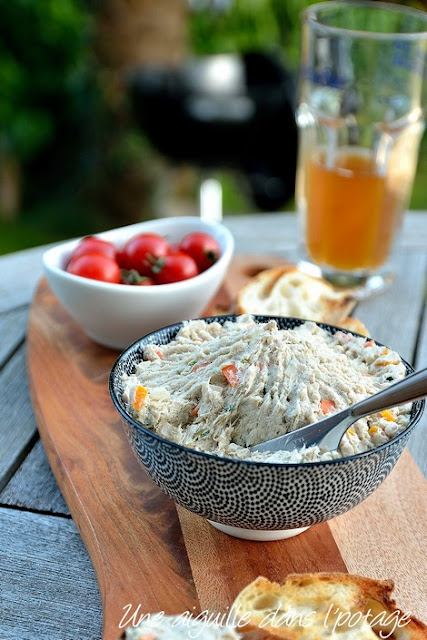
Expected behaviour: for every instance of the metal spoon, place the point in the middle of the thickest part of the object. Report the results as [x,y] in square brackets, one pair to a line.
[329,431]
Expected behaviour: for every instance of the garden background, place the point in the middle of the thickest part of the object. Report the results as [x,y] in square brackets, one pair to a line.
[72,159]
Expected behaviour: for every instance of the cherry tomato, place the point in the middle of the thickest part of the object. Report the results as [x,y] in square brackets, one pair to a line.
[174,248]
[121,259]
[175,267]
[204,249]
[142,251]
[91,244]
[96,267]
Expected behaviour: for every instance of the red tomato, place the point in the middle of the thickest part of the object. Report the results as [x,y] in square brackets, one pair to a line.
[96,267]
[142,252]
[121,259]
[91,244]
[204,249]
[174,248]
[175,267]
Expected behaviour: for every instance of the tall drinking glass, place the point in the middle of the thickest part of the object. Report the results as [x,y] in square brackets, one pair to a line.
[360,121]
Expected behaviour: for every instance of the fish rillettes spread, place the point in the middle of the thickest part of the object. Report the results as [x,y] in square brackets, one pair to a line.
[223,388]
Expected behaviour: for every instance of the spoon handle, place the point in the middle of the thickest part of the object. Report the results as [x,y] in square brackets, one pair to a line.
[412,387]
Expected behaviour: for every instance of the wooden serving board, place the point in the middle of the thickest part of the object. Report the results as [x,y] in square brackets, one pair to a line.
[150,555]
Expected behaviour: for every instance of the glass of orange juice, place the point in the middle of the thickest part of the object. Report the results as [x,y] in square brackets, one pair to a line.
[360,121]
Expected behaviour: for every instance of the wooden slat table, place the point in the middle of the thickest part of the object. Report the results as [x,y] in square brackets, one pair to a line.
[48,587]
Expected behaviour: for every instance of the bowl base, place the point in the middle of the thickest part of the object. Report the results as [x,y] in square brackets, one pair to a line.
[257,535]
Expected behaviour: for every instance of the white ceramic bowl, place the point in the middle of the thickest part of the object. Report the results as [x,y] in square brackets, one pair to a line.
[116,315]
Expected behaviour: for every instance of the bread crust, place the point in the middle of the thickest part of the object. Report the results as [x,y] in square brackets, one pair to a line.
[349,592]
[265,292]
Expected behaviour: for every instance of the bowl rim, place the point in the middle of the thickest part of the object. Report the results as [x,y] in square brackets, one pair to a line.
[419,404]
[227,252]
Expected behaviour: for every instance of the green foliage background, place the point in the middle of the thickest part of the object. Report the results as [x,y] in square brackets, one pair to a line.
[42,71]
[52,112]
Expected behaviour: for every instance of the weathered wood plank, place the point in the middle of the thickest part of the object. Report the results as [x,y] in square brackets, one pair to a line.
[280,232]
[13,325]
[414,229]
[17,423]
[49,588]
[276,233]
[20,273]
[33,485]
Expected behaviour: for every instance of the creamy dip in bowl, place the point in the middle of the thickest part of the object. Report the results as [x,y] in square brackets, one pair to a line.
[223,388]
[194,396]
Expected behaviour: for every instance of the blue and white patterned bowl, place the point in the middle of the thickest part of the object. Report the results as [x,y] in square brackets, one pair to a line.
[254,500]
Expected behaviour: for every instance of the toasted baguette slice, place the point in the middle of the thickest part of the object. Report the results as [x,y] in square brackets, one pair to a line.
[336,605]
[287,291]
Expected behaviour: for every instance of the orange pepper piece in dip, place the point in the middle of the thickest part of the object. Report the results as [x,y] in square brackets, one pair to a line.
[231,374]
[139,397]
[327,406]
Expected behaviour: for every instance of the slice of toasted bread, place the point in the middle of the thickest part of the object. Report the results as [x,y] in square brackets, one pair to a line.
[308,606]
[287,291]
[336,605]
